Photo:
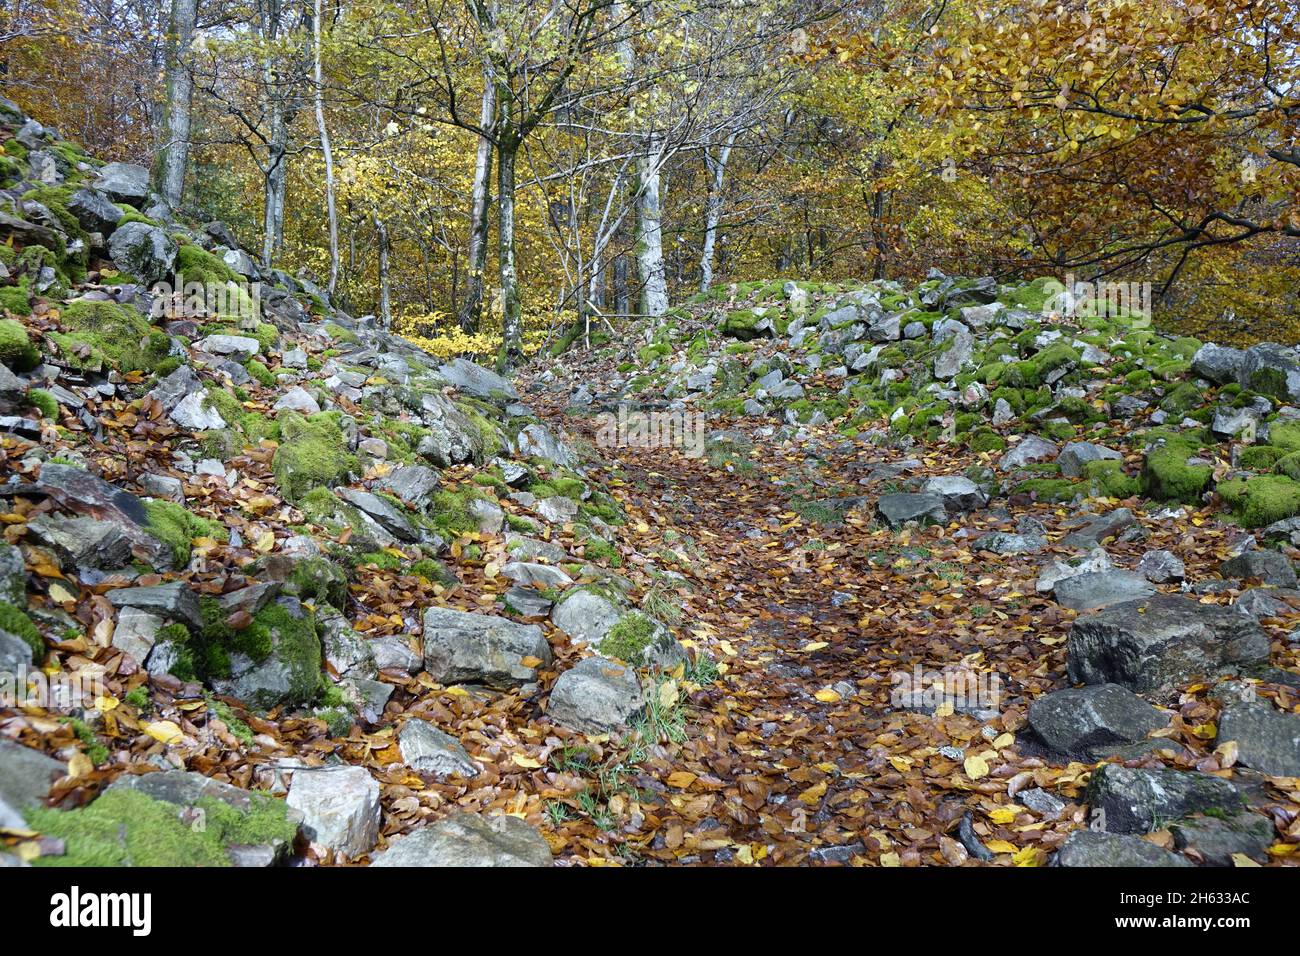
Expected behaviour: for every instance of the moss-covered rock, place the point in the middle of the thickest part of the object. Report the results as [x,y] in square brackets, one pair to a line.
[48,405]
[1167,475]
[127,828]
[15,621]
[98,333]
[1107,479]
[274,661]
[177,528]
[16,348]
[312,454]
[1261,500]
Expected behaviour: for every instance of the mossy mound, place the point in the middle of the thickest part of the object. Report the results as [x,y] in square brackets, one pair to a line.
[312,454]
[628,639]
[16,348]
[741,324]
[177,528]
[15,621]
[127,828]
[1167,476]
[1261,500]
[284,630]
[1107,479]
[105,333]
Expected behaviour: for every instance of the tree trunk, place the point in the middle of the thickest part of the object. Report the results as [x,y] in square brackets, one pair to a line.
[326,152]
[472,305]
[717,168]
[173,157]
[385,302]
[512,333]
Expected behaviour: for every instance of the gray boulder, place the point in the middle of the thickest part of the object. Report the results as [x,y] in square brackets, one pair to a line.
[1028,450]
[94,210]
[1161,567]
[1271,370]
[1216,840]
[469,840]
[124,182]
[453,439]
[1270,567]
[1155,644]
[460,647]
[381,512]
[959,493]
[1268,740]
[1139,801]
[1218,363]
[26,776]
[596,696]
[1078,453]
[81,541]
[1098,589]
[537,441]
[898,508]
[171,390]
[586,615]
[1081,721]
[339,806]
[426,749]
[143,250]
[477,381]
[1089,848]
[414,484]
[174,600]
[1098,528]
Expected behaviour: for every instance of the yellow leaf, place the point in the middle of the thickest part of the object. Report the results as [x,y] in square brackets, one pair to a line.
[1027,857]
[681,779]
[79,765]
[976,767]
[668,693]
[1004,740]
[1001,846]
[1005,814]
[164,731]
[813,795]
[528,763]
[814,646]
[890,859]
[265,542]
[827,696]
[1240,859]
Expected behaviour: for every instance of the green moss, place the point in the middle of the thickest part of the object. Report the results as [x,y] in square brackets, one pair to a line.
[1261,500]
[1260,457]
[628,638]
[434,571]
[115,334]
[138,697]
[175,527]
[16,349]
[1182,398]
[46,402]
[340,334]
[449,512]
[382,560]
[1167,476]
[1270,382]
[92,746]
[320,505]
[1288,465]
[1048,489]
[740,324]
[17,298]
[128,828]
[260,373]
[520,524]
[274,628]
[15,621]
[320,580]
[313,454]
[238,729]
[1107,479]
[1285,435]
[987,441]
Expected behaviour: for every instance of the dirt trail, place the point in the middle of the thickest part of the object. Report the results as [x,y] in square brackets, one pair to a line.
[797,738]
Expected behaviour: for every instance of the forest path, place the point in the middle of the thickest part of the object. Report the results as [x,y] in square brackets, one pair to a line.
[813,613]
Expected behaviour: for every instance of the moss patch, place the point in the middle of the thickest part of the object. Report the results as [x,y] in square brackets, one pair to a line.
[99,333]
[175,527]
[16,348]
[1261,500]
[629,638]
[128,828]
[16,622]
[1167,476]
[313,454]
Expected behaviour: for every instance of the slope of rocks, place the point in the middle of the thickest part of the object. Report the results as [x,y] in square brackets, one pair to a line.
[354,604]
[278,553]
